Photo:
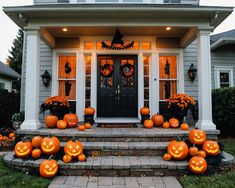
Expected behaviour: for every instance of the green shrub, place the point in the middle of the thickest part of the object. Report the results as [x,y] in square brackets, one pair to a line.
[223,107]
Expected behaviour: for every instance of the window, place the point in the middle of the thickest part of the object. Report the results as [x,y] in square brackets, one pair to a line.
[2,86]
[146,81]
[167,76]
[88,80]
[223,76]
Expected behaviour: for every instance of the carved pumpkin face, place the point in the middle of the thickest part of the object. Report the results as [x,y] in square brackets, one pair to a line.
[197,136]
[148,124]
[178,149]
[61,124]
[73,148]
[174,122]
[197,165]
[50,146]
[48,168]
[144,111]
[211,147]
[23,149]
[71,119]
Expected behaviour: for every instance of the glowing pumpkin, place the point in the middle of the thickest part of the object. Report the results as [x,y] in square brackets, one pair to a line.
[73,148]
[193,151]
[148,124]
[71,119]
[67,158]
[174,122]
[211,147]
[23,149]
[197,165]
[166,125]
[184,126]
[157,119]
[167,157]
[89,111]
[36,153]
[144,111]
[177,149]
[48,168]
[61,124]
[36,141]
[197,136]
[51,121]
[50,145]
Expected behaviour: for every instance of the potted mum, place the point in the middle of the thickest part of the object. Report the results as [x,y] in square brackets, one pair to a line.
[57,106]
[178,105]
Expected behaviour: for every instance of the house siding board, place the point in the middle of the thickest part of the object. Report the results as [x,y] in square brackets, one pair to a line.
[223,56]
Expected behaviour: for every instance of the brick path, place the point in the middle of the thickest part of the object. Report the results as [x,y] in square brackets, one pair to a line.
[114,182]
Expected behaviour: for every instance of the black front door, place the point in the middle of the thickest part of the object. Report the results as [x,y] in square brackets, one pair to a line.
[117,92]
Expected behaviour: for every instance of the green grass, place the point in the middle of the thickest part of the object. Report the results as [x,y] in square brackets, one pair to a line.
[226,180]
[12,178]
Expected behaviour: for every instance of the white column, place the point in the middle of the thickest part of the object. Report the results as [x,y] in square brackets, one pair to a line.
[140,82]
[94,82]
[204,81]
[31,121]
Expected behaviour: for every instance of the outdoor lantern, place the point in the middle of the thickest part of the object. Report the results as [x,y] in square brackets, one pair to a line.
[46,77]
[192,72]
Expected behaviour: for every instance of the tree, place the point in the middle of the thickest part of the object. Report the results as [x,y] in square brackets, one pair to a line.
[15,57]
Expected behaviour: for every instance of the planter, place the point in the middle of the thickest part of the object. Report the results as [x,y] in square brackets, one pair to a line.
[179,114]
[144,117]
[89,119]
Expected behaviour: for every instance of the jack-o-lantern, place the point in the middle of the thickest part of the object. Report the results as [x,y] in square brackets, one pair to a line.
[197,165]
[73,148]
[177,149]
[89,111]
[48,168]
[82,157]
[87,125]
[148,124]
[71,119]
[197,136]
[157,119]
[167,157]
[81,128]
[174,122]
[184,126]
[61,124]
[67,158]
[23,149]
[202,154]
[50,145]
[51,121]
[144,111]
[193,151]
[166,125]
[36,153]
[211,147]
[36,141]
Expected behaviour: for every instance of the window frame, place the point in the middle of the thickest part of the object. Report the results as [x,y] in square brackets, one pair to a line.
[222,69]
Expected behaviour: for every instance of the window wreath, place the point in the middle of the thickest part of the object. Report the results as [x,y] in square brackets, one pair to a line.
[127,70]
[106,70]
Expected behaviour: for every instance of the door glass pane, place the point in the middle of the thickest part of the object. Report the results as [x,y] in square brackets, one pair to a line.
[224,77]
[168,67]
[104,81]
[127,82]
[167,88]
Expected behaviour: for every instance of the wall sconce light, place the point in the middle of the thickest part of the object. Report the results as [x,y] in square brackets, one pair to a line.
[46,77]
[192,72]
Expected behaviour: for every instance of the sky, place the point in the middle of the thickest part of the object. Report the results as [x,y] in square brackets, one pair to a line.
[9,29]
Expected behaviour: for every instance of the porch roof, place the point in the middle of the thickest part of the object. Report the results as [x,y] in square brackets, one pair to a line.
[22,15]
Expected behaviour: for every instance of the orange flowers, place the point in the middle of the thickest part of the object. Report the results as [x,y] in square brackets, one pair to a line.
[182,101]
[62,101]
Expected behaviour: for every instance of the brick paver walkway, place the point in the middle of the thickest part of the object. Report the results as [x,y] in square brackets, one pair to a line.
[114,182]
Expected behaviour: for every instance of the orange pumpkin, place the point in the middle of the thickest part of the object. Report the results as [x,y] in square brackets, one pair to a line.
[51,121]
[157,119]
[202,154]
[11,135]
[23,149]
[184,126]
[48,168]
[177,149]
[197,136]
[89,111]
[61,124]
[36,153]
[67,158]
[73,148]
[197,165]
[36,141]
[193,151]
[1,137]
[174,122]
[211,147]
[148,124]
[71,119]
[4,138]
[167,157]
[144,111]
[50,145]
[81,127]
[87,125]
[82,157]
[166,125]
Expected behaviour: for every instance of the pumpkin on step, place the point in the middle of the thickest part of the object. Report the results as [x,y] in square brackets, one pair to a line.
[157,119]
[211,147]
[36,153]
[61,124]
[67,158]
[148,124]
[36,141]
[87,125]
[51,121]
[184,126]
[197,165]
[48,168]
[23,149]
[82,157]
[197,136]
[193,151]
[177,149]
[166,125]
[167,157]
[89,111]
[71,119]
[73,148]
[202,154]
[81,128]
[144,111]
[50,145]
[174,122]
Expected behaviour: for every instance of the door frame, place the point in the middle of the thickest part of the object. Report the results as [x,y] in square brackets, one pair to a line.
[135,57]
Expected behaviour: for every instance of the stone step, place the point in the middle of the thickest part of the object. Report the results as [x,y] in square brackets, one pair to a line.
[124,148]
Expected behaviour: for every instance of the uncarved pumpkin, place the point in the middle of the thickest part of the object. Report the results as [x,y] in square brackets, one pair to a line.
[211,147]
[177,149]
[166,125]
[51,121]
[184,126]
[193,151]
[148,124]
[82,157]
[157,119]
[50,145]
[67,158]
[197,165]
[36,153]
[81,128]
[167,157]
[89,111]
[174,122]
[144,111]
[71,119]
[36,141]
[197,136]
[48,168]
[11,135]
[23,149]
[202,154]
[87,125]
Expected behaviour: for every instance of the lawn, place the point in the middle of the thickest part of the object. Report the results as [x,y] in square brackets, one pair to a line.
[11,178]
[226,180]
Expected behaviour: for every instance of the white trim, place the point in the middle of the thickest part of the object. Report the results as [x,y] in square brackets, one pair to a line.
[94,82]
[218,70]
[140,77]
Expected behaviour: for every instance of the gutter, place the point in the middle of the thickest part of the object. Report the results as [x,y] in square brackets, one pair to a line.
[222,42]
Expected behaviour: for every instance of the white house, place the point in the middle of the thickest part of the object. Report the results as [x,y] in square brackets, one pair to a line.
[73,40]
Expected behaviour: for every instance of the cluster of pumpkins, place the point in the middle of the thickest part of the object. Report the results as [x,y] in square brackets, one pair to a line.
[158,120]
[179,150]
[11,136]
[69,120]
[49,146]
